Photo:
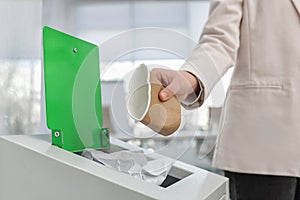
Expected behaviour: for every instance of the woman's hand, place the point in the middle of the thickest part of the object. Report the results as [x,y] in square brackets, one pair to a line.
[178,83]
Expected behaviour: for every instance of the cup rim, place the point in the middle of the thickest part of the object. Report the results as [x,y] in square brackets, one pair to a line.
[131,93]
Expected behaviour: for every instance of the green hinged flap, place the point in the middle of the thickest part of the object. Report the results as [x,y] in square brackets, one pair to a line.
[73,92]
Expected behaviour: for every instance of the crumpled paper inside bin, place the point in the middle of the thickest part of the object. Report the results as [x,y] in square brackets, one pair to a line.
[133,163]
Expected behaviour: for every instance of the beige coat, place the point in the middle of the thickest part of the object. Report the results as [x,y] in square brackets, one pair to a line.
[260,126]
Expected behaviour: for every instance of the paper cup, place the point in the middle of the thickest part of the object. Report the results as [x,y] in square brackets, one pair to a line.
[144,105]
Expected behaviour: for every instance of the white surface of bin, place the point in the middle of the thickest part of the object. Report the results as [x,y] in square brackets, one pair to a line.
[32,169]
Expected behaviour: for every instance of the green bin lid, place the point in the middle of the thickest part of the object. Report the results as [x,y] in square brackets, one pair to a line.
[73,92]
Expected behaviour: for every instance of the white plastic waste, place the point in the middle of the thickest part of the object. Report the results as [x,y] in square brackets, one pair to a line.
[133,163]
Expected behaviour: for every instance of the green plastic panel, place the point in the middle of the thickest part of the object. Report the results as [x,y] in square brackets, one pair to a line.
[73,92]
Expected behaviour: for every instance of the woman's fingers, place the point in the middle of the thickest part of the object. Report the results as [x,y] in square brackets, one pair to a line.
[178,83]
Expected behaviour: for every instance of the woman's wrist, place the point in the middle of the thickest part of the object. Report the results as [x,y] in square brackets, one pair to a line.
[193,81]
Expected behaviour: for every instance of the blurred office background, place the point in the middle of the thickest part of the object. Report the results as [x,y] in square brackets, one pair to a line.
[100,22]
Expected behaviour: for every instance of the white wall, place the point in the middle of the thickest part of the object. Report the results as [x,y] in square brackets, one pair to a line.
[20,52]
[20,35]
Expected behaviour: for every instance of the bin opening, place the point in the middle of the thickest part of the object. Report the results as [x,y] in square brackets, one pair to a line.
[170,180]
[173,176]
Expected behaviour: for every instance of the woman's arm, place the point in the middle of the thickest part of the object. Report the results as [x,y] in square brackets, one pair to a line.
[218,45]
[211,58]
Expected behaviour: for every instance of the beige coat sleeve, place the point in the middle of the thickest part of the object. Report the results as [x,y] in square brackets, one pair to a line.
[218,44]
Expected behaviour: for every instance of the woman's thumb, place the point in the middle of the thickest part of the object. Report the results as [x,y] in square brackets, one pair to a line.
[165,94]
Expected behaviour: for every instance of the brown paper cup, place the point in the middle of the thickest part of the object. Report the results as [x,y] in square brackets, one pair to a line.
[144,105]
